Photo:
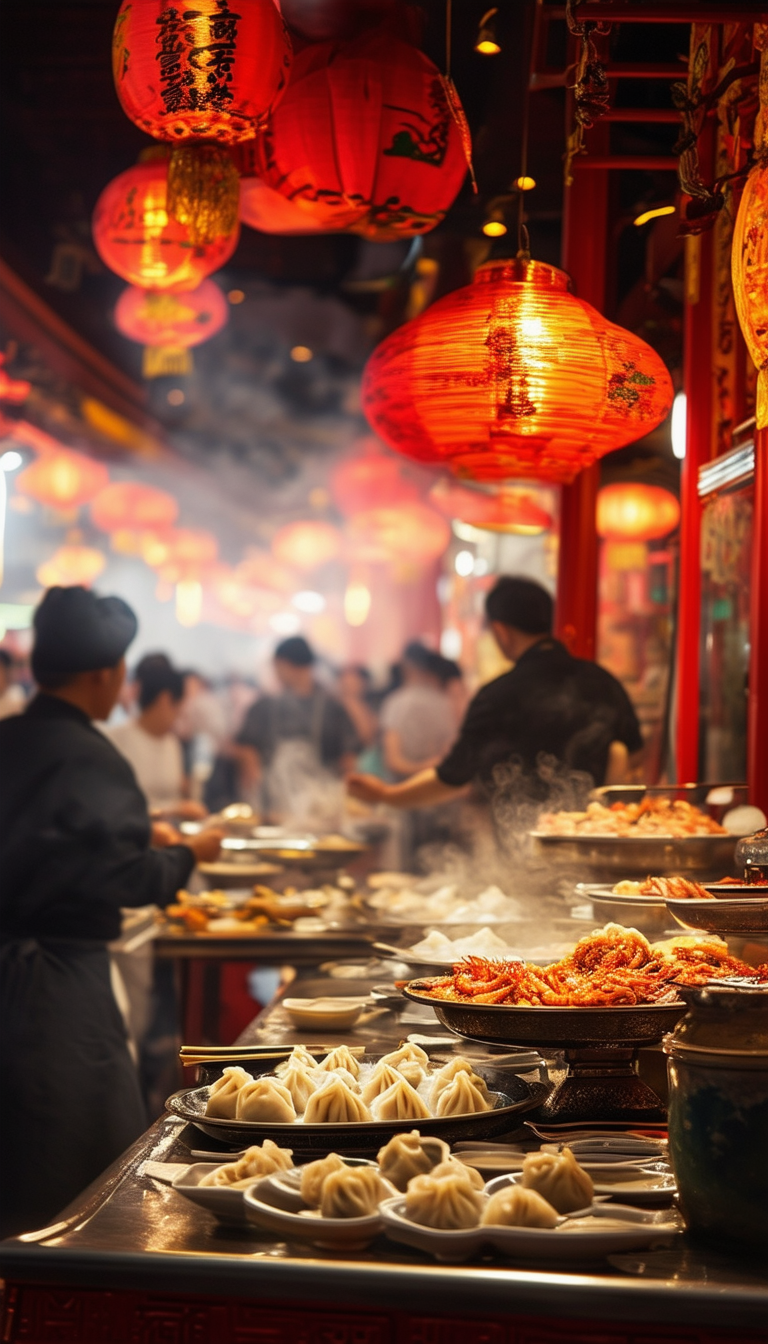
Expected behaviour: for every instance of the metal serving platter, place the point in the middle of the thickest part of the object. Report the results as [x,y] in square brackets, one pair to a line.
[727,917]
[636,856]
[647,914]
[364,1137]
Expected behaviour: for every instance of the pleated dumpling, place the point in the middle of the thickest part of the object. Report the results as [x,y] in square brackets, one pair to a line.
[266,1101]
[340,1058]
[461,1097]
[222,1098]
[298,1055]
[399,1102]
[452,1165]
[517,1207]
[559,1179]
[409,1155]
[383,1076]
[313,1176]
[255,1162]
[335,1104]
[449,1201]
[346,1077]
[410,1052]
[300,1083]
[445,1076]
[411,1071]
[353,1192]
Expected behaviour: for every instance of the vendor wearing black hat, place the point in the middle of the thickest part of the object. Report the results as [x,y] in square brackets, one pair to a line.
[550,705]
[75,847]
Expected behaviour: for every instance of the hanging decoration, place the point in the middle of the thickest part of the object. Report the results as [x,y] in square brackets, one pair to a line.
[133,507]
[411,532]
[179,321]
[591,94]
[62,480]
[136,237]
[72,565]
[306,545]
[749,259]
[516,511]
[369,480]
[632,511]
[513,376]
[365,139]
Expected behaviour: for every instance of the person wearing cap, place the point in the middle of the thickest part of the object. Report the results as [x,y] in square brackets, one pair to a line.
[550,706]
[297,738]
[76,846]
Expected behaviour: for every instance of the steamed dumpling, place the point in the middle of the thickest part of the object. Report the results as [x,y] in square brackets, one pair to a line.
[399,1102]
[517,1207]
[559,1179]
[255,1162]
[353,1192]
[340,1058]
[383,1076]
[461,1097]
[446,1075]
[314,1175]
[298,1055]
[449,1201]
[409,1155]
[452,1164]
[411,1071]
[266,1101]
[412,1053]
[345,1076]
[335,1104]
[299,1082]
[222,1098]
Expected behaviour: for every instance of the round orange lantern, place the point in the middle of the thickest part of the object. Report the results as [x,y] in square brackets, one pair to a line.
[410,532]
[135,236]
[71,566]
[365,138]
[306,545]
[63,480]
[369,480]
[211,72]
[513,376]
[750,278]
[156,318]
[181,553]
[630,511]
[263,208]
[133,507]
[507,510]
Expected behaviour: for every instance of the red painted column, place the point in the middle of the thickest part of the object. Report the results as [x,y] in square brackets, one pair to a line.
[757,710]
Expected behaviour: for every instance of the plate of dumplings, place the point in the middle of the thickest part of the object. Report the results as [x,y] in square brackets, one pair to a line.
[308,1101]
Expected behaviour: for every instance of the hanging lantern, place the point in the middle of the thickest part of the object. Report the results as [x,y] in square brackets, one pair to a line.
[180,553]
[630,511]
[513,376]
[136,238]
[369,480]
[306,545]
[177,320]
[133,507]
[207,73]
[411,532]
[366,138]
[263,208]
[510,510]
[262,570]
[63,480]
[71,566]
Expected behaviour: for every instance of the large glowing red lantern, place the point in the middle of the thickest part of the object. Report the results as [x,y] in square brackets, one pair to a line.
[135,236]
[135,507]
[365,138]
[306,545]
[369,480]
[63,480]
[263,208]
[157,318]
[411,532]
[208,72]
[513,376]
[508,509]
[630,511]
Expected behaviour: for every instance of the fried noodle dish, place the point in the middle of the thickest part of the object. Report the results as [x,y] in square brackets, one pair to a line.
[653,816]
[608,968]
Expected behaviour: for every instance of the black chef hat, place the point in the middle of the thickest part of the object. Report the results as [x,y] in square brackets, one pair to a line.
[76,631]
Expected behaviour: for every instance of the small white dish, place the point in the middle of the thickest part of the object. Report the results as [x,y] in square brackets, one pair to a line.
[626,1182]
[324,1014]
[284,1187]
[333,1234]
[220,1200]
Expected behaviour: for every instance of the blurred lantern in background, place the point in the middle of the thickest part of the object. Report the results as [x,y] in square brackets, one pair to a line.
[181,553]
[513,376]
[137,239]
[262,570]
[357,602]
[516,511]
[411,532]
[189,601]
[133,507]
[306,545]
[365,138]
[368,480]
[630,511]
[71,565]
[62,480]
[177,320]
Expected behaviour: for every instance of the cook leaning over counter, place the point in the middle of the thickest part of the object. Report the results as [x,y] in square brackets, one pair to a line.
[76,845]
[550,704]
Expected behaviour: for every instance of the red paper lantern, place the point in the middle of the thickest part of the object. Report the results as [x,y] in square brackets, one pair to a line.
[508,510]
[71,566]
[263,208]
[306,545]
[63,480]
[411,532]
[630,511]
[136,239]
[157,318]
[365,138]
[211,72]
[370,480]
[133,507]
[182,553]
[513,376]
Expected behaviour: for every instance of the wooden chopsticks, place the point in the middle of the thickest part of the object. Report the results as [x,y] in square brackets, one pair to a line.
[225,1054]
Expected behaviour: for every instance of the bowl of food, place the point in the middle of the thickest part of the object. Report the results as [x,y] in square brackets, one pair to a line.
[656,835]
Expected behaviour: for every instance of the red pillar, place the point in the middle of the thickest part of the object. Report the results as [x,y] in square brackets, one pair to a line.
[757,711]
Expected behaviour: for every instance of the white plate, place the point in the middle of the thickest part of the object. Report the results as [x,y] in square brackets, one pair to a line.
[220,1200]
[325,1014]
[284,1187]
[334,1234]
[607,1228]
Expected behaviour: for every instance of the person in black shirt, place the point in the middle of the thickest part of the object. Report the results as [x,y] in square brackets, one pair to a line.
[75,847]
[549,706]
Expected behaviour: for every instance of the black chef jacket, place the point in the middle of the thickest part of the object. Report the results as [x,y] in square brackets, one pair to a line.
[74,830]
[549,705]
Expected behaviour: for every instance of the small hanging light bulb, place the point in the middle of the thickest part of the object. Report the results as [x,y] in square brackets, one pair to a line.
[487,43]
[495,224]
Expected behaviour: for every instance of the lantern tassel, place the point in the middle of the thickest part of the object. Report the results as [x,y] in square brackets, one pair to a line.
[203,191]
[162,361]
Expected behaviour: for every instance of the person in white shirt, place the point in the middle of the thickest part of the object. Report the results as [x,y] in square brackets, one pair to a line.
[417,721]
[150,744]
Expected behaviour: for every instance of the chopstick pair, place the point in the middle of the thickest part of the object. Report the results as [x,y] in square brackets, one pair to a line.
[219,1054]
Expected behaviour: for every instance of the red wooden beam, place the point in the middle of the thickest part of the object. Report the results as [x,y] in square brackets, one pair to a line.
[652,163]
[555,79]
[663,12]
[644,115]
[757,706]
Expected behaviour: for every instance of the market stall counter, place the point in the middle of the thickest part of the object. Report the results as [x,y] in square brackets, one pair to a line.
[132,1260]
